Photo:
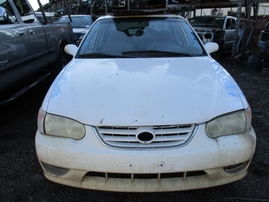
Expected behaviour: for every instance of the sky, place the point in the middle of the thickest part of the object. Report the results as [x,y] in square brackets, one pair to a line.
[34,3]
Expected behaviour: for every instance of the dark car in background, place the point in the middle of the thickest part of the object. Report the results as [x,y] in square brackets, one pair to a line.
[214,28]
[80,25]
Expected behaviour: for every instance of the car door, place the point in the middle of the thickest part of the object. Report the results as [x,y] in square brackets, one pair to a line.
[37,43]
[13,51]
[229,34]
[22,44]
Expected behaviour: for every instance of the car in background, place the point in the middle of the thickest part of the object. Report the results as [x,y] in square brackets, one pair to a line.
[263,39]
[263,57]
[143,107]
[51,17]
[80,25]
[30,51]
[214,28]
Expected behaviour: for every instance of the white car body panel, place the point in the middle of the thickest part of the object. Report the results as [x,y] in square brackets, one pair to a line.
[123,88]
[90,155]
[144,120]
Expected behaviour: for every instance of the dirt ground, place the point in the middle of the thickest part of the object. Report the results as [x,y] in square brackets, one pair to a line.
[21,177]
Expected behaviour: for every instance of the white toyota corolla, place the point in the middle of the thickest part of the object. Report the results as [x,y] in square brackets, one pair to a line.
[142,107]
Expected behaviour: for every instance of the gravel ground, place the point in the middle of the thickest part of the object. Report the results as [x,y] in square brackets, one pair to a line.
[21,177]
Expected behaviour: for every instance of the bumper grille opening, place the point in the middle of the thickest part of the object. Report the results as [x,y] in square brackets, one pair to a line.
[172,175]
[119,175]
[195,173]
[157,176]
[145,176]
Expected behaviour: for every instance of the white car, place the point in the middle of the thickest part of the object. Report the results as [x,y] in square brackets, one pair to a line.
[143,107]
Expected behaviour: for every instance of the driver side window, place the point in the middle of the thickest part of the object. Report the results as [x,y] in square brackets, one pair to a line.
[11,18]
[25,11]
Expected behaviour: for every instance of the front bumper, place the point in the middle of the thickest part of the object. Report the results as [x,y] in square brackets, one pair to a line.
[202,163]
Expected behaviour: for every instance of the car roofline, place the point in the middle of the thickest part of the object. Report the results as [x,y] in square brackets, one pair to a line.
[139,15]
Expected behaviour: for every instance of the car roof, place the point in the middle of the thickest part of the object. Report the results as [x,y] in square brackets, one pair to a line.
[126,15]
[214,16]
[210,16]
[46,13]
[79,15]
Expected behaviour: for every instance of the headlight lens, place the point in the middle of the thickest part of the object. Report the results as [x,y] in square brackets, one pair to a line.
[233,123]
[60,126]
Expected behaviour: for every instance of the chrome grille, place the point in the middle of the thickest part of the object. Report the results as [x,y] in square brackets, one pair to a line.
[165,136]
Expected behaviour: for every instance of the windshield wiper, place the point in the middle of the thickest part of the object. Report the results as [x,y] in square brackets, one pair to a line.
[172,53]
[151,53]
[101,55]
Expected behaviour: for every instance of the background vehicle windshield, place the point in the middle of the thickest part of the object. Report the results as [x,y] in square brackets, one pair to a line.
[77,21]
[141,37]
[213,22]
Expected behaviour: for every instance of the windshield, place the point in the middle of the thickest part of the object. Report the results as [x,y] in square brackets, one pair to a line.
[77,21]
[207,21]
[140,37]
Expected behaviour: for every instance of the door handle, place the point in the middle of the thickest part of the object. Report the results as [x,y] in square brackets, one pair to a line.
[31,31]
[21,33]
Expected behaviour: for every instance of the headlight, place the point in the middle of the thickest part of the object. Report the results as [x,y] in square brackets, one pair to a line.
[233,123]
[60,126]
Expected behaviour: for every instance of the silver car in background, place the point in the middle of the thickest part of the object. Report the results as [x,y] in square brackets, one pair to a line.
[80,25]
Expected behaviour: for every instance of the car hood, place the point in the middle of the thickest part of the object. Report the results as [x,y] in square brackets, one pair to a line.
[124,92]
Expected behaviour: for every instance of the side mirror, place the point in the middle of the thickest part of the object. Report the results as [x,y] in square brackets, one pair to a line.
[71,49]
[3,15]
[211,47]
